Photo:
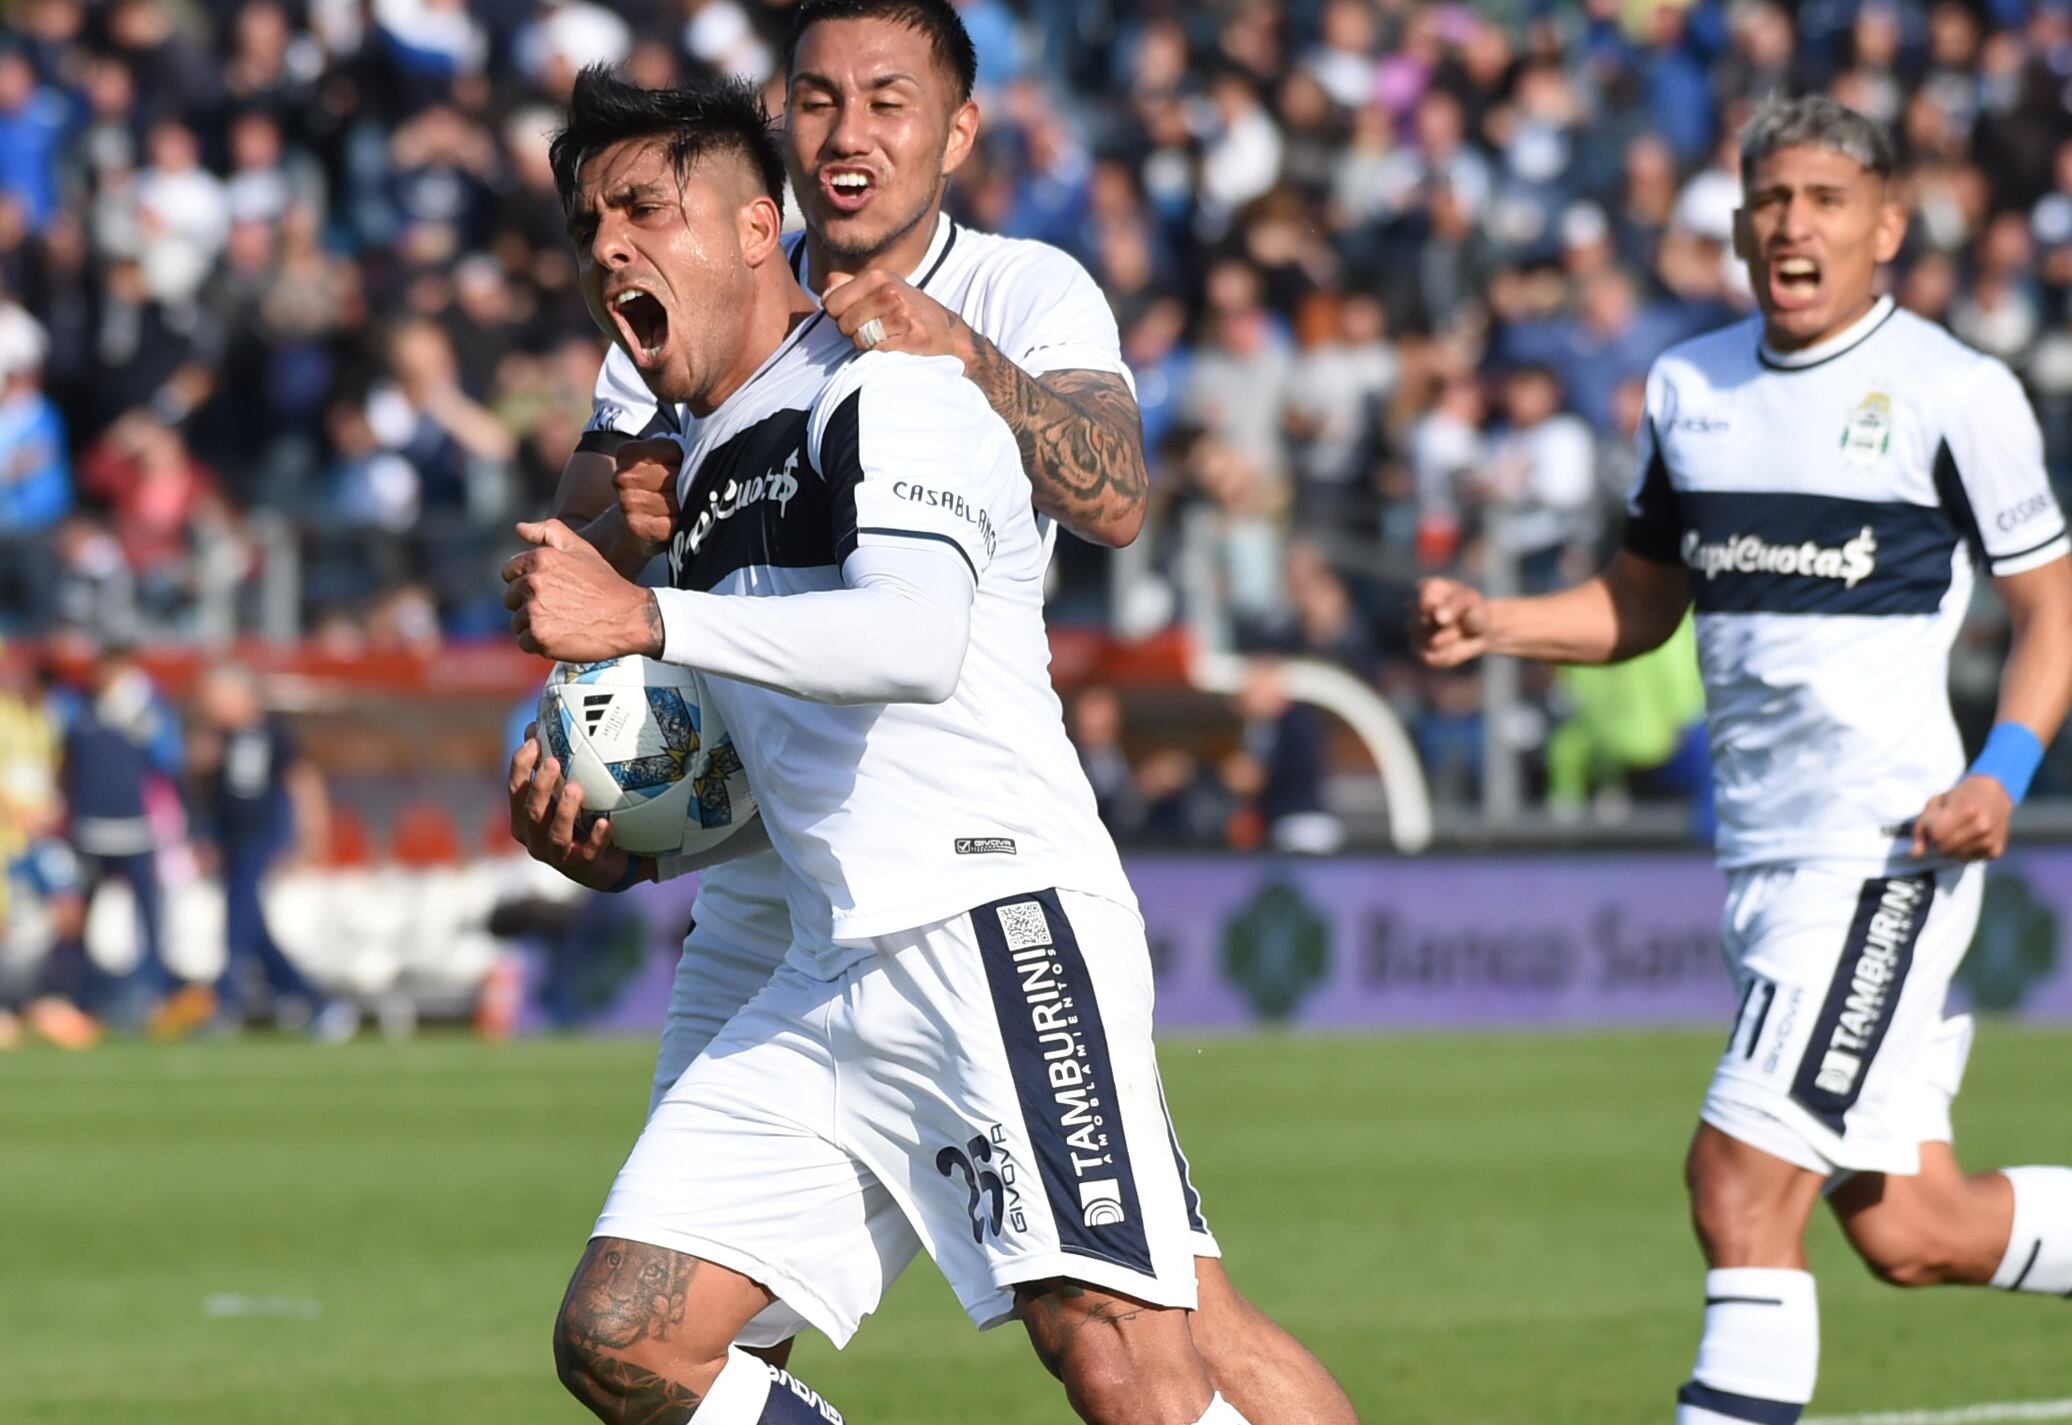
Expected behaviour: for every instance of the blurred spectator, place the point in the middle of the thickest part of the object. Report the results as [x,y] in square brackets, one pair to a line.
[121,740]
[35,474]
[1644,718]
[1242,156]
[40,901]
[32,122]
[176,76]
[1286,741]
[1446,451]
[1338,388]
[1097,732]
[183,214]
[167,512]
[1539,481]
[1238,379]
[261,802]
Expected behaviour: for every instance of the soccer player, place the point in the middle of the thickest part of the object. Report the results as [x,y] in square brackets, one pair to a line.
[957,1052]
[1822,481]
[879,117]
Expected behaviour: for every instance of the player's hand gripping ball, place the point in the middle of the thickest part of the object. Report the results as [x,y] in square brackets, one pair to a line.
[649,751]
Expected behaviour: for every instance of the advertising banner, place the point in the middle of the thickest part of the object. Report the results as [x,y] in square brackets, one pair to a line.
[1350,943]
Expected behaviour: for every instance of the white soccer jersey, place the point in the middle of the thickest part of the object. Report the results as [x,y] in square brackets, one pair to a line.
[896,815]
[1831,506]
[1032,301]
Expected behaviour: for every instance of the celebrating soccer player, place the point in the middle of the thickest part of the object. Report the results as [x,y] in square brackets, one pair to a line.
[956,1054]
[879,116]
[1822,482]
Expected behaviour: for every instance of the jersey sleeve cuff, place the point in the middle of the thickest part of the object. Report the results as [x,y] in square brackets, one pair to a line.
[2034,557]
[880,534]
[1048,360]
[680,619]
[602,442]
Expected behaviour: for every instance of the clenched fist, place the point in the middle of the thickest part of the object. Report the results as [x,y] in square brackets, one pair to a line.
[1968,822]
[646,487]
[912,321]
[1450,624]
[566,603]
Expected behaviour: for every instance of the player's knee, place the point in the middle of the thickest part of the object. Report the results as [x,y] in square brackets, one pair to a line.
[1121,1362]
[630,1339]
[1098,1382]
[1739,1221]
[620,1380]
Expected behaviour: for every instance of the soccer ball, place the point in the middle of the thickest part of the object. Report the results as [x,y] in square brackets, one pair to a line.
[648,751]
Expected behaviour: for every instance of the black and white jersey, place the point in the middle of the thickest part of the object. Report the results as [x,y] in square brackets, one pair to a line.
[1035,303]
[892,815]
[1832,506]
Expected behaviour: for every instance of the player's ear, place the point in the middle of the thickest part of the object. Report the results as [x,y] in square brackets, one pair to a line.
[1891,230]
[1744,236]
[761,227]
[963,134]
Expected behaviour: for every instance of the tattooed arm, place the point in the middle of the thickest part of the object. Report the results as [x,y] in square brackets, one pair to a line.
[1082,441]
[1081,436]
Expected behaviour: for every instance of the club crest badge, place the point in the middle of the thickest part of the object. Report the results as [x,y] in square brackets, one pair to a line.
[1868,435]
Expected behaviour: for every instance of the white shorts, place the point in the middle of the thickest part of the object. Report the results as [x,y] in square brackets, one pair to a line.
[1841,1059]
[984,1087]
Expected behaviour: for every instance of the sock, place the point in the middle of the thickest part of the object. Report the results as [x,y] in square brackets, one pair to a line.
[1221,1412]
[750,1391]
[1760,1352]
[2039,1250]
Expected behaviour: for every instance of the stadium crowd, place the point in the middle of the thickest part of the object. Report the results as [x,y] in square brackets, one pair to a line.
[287,280]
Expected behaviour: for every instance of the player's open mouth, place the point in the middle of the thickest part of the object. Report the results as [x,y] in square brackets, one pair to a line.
[644,321]
[847,188]
[1794,281]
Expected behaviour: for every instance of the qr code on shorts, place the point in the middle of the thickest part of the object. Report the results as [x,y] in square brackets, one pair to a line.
[1024,925]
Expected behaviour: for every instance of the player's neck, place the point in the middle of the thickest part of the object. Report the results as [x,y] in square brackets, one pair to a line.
[1789,347]
[903,255]
[779,304]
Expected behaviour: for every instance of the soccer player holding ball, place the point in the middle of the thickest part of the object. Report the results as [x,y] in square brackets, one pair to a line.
[1824,482]
[879,116]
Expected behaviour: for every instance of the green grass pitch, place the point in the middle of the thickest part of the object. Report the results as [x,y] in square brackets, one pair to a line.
[1467,1228]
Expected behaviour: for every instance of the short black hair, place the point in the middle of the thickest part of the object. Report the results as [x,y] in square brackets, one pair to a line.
[719,116]
[938,20]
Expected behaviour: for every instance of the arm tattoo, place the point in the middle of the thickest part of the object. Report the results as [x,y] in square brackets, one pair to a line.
[621,1393]
[628,1292]
[658,637]
[1081,437]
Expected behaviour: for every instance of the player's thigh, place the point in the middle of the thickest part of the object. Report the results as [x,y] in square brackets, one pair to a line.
[1005,1089]
[1843,976]
[740,1165]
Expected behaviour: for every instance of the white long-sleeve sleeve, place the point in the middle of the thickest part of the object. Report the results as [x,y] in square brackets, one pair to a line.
[895,633]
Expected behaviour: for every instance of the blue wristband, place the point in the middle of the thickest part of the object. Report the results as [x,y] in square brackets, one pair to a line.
[633,876]
[2010,757]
